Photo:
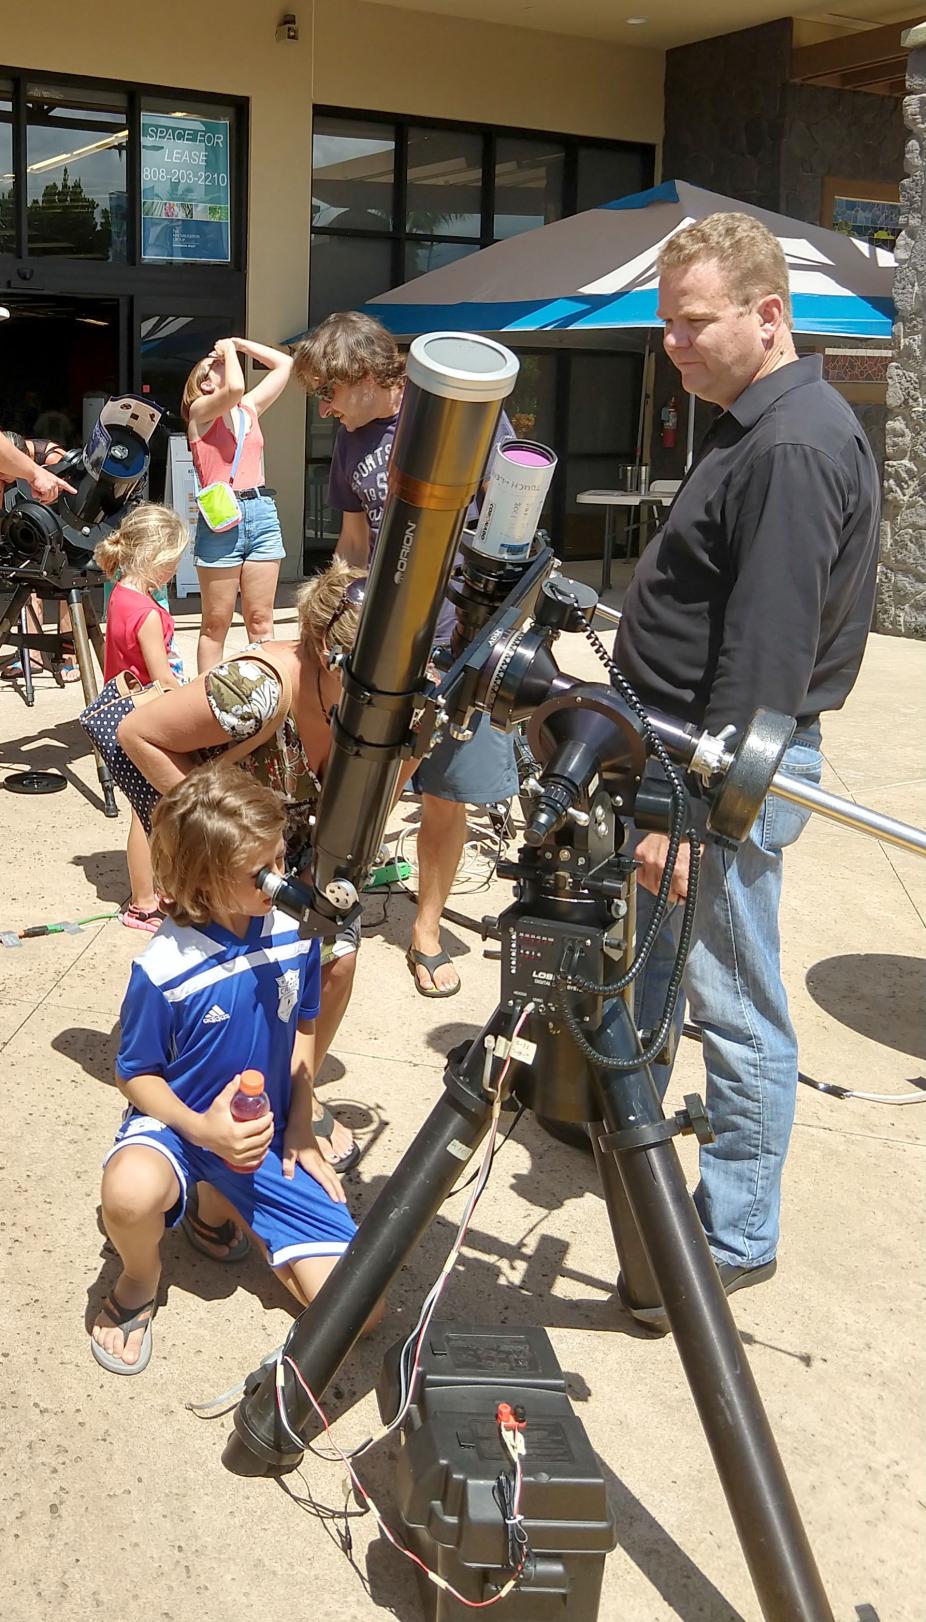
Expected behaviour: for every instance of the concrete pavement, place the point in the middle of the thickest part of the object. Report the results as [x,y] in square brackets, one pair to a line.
[114,1501]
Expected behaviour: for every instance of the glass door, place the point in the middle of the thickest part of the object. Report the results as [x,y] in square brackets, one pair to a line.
[169,340]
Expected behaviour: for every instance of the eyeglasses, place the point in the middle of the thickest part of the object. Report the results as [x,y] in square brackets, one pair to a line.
[325,391]
[352,598]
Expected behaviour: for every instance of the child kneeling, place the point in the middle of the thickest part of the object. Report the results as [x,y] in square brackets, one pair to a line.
[225,986]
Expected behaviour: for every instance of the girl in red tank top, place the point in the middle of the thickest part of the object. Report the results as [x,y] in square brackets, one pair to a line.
[227,445]
[144,551]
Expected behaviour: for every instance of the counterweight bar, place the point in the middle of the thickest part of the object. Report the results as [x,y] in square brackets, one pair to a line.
[848,813]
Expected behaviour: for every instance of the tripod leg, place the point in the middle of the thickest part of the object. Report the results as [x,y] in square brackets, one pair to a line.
[97,640]
[638,1285]
[25,654]
[326,1331]
[88,682]
[748,1463]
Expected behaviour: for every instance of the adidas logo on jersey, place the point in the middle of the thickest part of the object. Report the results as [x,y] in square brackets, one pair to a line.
[215,1015]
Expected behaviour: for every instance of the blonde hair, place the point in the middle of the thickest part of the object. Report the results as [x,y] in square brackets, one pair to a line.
[320,599]
[148,539]
[206,835]
[345,348]
[193,387]
[749,255]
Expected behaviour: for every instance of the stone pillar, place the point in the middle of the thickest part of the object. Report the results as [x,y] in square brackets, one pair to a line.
[900,609]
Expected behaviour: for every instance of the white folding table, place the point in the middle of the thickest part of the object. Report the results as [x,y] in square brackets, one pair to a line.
[612,499]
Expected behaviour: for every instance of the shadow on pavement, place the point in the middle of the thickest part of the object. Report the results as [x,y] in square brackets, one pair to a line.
[879,995]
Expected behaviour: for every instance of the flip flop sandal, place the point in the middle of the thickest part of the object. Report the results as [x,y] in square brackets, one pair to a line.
[69,669]
[431,962]
[126,1319]
[12,670]
[203,1234]
[134,918]
[324,1125]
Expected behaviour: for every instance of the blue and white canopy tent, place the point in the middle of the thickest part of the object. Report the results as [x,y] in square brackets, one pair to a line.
[596,272]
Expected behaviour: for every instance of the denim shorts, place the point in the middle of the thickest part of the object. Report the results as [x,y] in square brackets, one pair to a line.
[257,539]
[481,771]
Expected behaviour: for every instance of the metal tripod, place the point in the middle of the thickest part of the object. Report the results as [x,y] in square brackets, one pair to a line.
[29,636]
[662,1250]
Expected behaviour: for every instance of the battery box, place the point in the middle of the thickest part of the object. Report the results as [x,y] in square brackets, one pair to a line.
[450,1460]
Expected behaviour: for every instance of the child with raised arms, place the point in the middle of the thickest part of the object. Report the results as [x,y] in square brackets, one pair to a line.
[225,986]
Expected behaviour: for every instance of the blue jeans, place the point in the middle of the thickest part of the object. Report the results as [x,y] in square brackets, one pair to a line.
[734,991]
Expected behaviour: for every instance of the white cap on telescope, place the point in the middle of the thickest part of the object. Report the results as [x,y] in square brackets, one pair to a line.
[462,366]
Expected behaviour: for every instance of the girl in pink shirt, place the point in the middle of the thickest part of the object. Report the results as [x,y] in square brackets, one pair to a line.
[221,415]
[144,552]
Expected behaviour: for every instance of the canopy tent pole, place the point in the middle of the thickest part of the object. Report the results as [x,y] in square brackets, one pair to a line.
[689,448]
[641,416]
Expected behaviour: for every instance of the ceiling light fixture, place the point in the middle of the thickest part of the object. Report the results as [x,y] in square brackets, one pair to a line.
[636,22]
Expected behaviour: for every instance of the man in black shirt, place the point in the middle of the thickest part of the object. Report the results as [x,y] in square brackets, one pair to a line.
[758,590]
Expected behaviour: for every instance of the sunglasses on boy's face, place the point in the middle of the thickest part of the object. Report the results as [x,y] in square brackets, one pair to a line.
[325,391]
[352,598]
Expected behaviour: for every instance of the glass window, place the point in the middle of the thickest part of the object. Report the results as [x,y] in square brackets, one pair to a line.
[584,525]
[528,184]
[444,182]
[345,271]
[353,174]
[604,404]
[76,158]
[322,523]
[424,256]
[531,406]
[7,178]
[187,176]
[605,173]
[321,434]
[170,347]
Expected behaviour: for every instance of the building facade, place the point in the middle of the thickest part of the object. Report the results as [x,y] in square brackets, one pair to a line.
[156,188]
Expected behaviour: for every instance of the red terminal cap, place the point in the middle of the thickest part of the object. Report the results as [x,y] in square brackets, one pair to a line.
[510,1418]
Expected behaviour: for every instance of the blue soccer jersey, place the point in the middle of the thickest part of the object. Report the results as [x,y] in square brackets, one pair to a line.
[202,1005]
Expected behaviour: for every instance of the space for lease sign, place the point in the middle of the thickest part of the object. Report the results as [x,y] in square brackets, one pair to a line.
[185,189]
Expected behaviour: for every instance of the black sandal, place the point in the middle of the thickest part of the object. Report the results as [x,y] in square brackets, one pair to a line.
[203,1234]
[127,1319]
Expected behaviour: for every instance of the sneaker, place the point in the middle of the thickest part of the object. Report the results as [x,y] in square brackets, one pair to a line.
[732,1278]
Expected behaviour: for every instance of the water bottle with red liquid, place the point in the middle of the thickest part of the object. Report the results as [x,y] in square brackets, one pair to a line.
[249,1103]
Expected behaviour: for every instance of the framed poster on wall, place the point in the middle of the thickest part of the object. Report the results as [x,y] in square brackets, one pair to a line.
[185,189]
[867,209]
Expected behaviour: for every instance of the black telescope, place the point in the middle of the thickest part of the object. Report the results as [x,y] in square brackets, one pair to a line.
[453,393]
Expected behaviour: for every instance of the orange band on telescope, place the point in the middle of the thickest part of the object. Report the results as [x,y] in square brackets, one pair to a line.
[440,498]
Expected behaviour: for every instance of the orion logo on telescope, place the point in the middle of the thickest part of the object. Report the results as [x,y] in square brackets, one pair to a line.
[402,564]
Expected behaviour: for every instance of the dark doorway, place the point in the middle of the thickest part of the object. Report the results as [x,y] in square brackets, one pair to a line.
[58,357]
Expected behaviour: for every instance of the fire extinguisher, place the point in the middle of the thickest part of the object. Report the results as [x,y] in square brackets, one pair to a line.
[669,419]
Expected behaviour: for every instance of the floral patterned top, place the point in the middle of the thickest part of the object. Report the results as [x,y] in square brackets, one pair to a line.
[241,695]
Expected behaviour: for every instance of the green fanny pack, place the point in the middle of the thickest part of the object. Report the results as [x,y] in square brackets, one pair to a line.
[219,506]
[217,503]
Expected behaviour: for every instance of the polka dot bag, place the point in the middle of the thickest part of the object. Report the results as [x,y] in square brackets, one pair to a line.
[100,720]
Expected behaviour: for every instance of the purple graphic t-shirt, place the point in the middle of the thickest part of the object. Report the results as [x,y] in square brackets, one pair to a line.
[359,476]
